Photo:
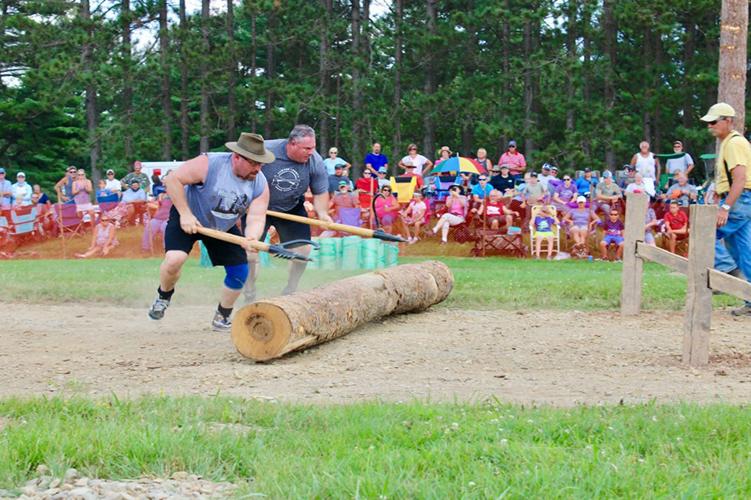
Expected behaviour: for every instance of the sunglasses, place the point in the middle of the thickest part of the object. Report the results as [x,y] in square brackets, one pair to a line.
[714,122]
[386,190]
[614,215]
[567,178]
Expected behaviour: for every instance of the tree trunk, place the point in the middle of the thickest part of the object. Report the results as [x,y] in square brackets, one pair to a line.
[586,68]
[431,10]
[165,90]
[205,17]
[506,65]
[92,114]
[733,64]
[529,91]
[231,73]
[271,36]
[324,76]
[184,98]
[272,328]
[253,67]
[609,91]
[398,41]
[356,114]
[689,47]
[127,81]
[571,35]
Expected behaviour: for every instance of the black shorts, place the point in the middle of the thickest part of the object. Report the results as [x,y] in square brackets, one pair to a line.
[287,229]
[220,252]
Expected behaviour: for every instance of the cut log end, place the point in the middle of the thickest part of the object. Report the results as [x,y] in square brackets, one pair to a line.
[261,331]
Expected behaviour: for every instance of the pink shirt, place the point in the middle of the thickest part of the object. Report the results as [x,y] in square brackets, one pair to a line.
[515,161]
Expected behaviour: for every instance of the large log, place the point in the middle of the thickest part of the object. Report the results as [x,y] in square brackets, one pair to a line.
[271,328]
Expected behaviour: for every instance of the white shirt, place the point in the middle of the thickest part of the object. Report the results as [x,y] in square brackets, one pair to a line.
[646,186]
[113,185]
[418,161]
[646,166]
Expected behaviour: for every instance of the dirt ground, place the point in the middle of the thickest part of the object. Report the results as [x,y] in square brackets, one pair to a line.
[557,358]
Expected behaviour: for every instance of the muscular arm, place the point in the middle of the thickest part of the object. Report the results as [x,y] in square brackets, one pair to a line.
[191,172]
[321,204]
[256,217]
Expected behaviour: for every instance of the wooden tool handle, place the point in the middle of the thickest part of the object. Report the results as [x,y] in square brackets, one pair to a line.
[233,238]
[359,231]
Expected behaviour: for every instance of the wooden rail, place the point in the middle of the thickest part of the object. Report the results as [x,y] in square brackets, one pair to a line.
[698,268]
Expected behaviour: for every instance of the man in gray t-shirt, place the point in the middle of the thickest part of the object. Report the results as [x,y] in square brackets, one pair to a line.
[683,164]
[296,168]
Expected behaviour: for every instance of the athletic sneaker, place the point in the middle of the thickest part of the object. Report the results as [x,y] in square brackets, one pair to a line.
[220,323]
[742,311]
[157,308]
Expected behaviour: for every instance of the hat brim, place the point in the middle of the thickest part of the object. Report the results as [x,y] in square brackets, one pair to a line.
[266,157]
[710,118]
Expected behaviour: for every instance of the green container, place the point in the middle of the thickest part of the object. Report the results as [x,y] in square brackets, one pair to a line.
[350,253]
[264,260]
[329,252]
[315,256]
[369,250]
[205,260]
[391,254]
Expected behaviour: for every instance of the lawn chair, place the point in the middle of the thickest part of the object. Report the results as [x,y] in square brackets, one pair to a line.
[404,187]
[535,211]
[69,220]
[24,223]
[496,241]
[349,217]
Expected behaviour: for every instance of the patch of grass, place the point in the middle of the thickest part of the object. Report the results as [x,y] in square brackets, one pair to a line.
[490,283]
[392,450]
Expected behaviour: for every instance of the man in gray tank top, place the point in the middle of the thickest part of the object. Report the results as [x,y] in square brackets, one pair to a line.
[296,168]
[215,190]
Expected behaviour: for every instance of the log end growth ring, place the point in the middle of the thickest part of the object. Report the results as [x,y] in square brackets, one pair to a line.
[260,331]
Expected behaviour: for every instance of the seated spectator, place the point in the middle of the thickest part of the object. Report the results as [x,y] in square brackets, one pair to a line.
[82,190]
[544,224]
[682,192]
[613,228]
[607,193]
[481,189]
[630,177]
[341,199]
[676,225]
[157,187]
[338,176]
[564,195]
[158,222]
[42,198]
[387,209]
[496,213]
[650,222]
[134,200]
[587,183]
[443,155]
[101,190]
[382,179]
[366,187]
[641,185]
[333,161]
[112,184]
[483,160]
[456,213]
[136,175]
[21,191]
[545,175]
[102,239]
[502,180]
[414,216]
[412,172]
[6,191]
[554,182]
[533,193]
[464,181]
[580,218]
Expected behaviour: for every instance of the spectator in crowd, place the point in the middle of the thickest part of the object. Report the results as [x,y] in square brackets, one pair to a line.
[586,184]
[112,184]
[382,179]
[496,213]
[414,217]
[650,223]
[334,180]
[387,209]
[82,191]
[6,191]
[580,219]
[630,177]
[545,176]
[101,190]
[134,199]
[684,164]
[157,187]
[456,213]
[481,189]
[607,193]
[483,160]
[544,224]
[564,195]
[375,160]
[64,187]
[366,187]
[42,198]
[676,225]
[138,175]
[443,155]
[641,185]
[102,239]
[514,159]
[646,163]
[554,181]
[21,191]
[158,222]
[533,192]
[422,165]
[343,198]
[464,181]
[412,171]
[333,160]
[613,234]
[682,192]
[502,180]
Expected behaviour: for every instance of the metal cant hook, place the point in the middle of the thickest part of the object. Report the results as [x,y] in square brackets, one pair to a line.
[282,250]
[299,243]
[383,235]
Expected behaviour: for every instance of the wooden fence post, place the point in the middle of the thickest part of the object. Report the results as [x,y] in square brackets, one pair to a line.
[698,318]
[636,213]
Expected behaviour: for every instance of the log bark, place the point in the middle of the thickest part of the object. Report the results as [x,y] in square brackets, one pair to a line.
[271,328]
[733,61]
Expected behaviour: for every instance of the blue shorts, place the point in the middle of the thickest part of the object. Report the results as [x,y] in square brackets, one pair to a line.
[612,239]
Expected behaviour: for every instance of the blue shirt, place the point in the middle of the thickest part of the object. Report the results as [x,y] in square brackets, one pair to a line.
[586,186]
[480,192]
[331,164]
[376,160]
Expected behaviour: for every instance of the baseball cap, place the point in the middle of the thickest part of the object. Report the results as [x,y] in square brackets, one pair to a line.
[71,168]
[717,111]
[677,143]
[382,170]
[20,174]
[497,168]
[545,166]
[587,170]
[338,167]
[343,183]
[110,171]
[511,143]
[554,168]
[629,167]
[533,174]
[581,199]
[607,174]
[2,170]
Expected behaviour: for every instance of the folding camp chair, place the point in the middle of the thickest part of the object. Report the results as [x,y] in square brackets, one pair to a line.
[68,219]
[404,187]
[24,223]
[535,211]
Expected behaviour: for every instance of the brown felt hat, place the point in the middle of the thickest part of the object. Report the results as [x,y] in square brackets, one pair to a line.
[251,146]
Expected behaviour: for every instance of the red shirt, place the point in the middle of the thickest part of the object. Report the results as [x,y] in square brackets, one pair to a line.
[494,208]
[370,186]
[677,221]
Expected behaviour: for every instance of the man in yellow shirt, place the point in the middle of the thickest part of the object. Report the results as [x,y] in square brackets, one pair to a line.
[733,187]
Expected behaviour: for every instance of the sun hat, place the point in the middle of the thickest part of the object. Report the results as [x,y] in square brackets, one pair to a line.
[581,199]
[717,111]
[250,146]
